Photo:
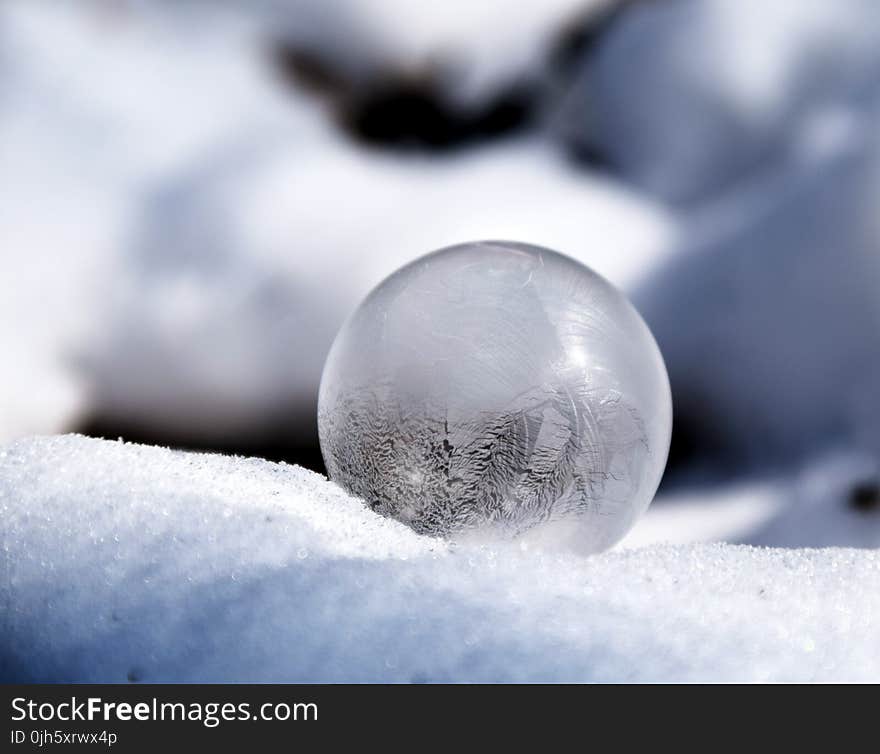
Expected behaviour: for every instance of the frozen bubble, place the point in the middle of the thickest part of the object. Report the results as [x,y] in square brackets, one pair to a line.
[495,386]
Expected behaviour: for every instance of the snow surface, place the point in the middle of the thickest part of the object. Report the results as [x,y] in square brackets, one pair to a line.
[124,562]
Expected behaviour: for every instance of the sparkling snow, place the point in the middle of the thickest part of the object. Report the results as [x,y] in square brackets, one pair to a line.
[128,562]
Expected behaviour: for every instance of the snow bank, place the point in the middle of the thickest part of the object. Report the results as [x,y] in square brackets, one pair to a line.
[688,98]
[832,500]
[469,50]
[127,562]
[94,108]
[769,321]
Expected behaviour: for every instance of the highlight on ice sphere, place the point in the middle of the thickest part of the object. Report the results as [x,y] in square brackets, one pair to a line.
[493,387]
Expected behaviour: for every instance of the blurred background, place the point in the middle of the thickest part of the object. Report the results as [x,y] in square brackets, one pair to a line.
[195,193]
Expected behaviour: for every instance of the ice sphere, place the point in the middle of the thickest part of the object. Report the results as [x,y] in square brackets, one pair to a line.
[495,386]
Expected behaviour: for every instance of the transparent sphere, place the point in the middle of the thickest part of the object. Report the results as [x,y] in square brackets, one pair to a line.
[495,387]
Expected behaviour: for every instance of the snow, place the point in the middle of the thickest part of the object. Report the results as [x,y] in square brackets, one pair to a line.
[808,506]
[84,131]
[124,561]
[768,318]
[691,98]
[470,50]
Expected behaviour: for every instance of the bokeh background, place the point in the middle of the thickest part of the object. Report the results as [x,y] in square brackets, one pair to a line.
[196,193]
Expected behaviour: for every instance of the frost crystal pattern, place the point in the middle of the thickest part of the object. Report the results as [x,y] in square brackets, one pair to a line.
[497,386]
